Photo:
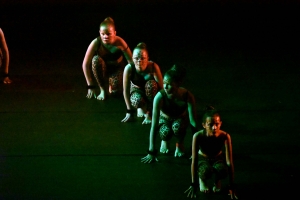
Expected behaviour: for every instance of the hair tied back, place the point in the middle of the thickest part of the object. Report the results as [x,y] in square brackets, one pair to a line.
[209,107]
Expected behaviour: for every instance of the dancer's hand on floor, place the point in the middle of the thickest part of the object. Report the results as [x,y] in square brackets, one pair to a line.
[149,159]
[91,93]
[6,80]
[128,117]
[232,194]
[191,192]
[147,120]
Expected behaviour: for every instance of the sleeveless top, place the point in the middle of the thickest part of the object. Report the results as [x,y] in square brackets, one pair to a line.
[171,108]
[105,54]
[211,146]
[138,79]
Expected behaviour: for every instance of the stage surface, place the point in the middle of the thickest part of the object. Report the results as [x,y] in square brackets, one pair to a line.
[242,58]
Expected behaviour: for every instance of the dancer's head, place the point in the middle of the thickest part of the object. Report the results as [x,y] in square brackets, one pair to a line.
[107,30]
[211,121]
[140,56]
[173,79]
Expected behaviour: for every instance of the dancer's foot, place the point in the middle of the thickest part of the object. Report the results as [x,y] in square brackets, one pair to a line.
[179,150]
[164,147]
[140,112]
[101,96]
[217,186]
[203,186]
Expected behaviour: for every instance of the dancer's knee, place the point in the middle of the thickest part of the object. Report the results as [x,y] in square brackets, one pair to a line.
[151,88]
[179,128]
[115,82]
[97,62]
[136,100]
[165,132]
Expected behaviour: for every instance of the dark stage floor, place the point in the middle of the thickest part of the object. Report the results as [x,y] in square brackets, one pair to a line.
[56,144]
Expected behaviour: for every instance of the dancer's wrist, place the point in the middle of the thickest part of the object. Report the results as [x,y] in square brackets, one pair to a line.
[90,86]
[194,185]
[130,111]
[152,152]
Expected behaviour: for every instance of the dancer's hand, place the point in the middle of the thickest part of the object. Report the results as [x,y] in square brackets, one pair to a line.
[6,80]
[149,159]
[147,120]
[128,117]
[232,194]
[191,192]
[91,93]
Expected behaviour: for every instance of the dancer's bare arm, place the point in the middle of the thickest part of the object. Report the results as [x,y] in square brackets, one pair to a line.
[126,92]
[229,161]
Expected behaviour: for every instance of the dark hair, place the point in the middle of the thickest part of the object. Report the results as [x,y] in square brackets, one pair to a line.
[108,21]
[142,46]
[210,112]
[176,73]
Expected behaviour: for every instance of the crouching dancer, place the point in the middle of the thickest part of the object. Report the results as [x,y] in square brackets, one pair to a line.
[105,57]
[173,110]
[207,157]
[141,81]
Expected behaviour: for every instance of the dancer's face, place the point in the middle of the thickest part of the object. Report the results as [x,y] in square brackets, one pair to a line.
[140,59]
[170,86]
[107,34]
[212,125]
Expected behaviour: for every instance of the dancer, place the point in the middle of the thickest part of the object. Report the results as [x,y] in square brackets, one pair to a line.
[141,82]
[207,157]
[106,54]
[4,58]
[173,110]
